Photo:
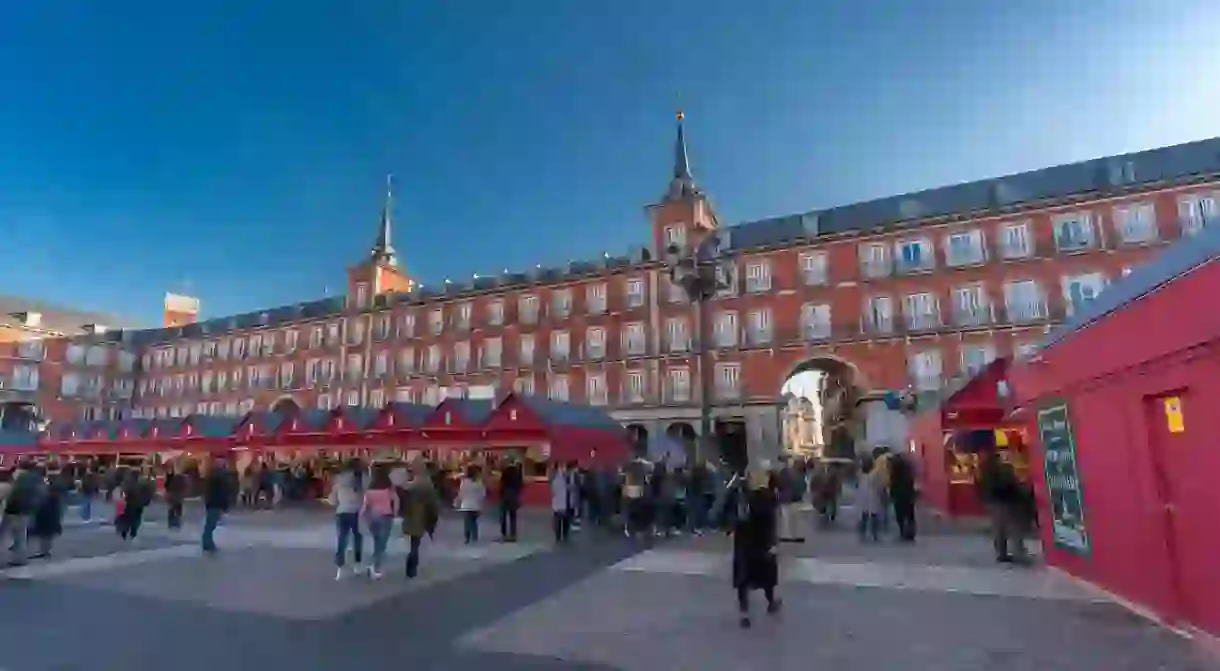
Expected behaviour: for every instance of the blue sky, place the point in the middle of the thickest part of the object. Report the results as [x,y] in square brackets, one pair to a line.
[238,150]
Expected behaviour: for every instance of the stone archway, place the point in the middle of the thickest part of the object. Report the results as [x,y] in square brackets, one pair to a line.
[20,416]
[685,435]
[637,437]
[834,387]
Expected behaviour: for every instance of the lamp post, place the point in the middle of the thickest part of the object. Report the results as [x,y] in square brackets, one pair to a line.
[701,272]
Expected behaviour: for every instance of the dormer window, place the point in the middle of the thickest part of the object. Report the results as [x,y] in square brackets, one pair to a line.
[674,235]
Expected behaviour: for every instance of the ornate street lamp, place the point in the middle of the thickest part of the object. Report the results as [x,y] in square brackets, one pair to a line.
[702,273]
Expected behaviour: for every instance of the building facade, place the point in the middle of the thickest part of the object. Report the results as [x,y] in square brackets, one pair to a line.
[903,293]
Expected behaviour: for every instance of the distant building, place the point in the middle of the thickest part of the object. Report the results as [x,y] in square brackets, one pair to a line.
[900,293]
[802,424]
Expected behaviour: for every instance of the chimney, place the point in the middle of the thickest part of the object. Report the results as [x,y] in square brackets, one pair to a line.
[28,318]
[180,310]
[93,329]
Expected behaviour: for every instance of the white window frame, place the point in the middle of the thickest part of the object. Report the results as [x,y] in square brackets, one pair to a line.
[725,328]
[758,276]
[1136,223]
[595,298]
[875,260]
[634,292]
[760,327]
[816,321]
[1074,231]
[678,385]
[634,392]
[1016,241]
[728,381]
[927,255]
[971,252]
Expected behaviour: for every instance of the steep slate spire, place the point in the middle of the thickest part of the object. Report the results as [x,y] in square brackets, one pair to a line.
[383,249]
[683,183]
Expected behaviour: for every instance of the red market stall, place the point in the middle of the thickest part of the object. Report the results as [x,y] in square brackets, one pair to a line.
[1122,410]
[948,438]
[452,434]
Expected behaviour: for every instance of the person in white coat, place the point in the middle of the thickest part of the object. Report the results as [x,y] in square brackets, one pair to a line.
[561,502]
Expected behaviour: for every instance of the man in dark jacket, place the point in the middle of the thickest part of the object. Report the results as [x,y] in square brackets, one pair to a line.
[175,493]
[23,501]
[511,484]
[217,496]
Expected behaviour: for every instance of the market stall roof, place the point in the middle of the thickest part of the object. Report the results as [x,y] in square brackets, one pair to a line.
[559,413]
[213,426]
[262,421]
[460,412]
[17,438]
[164,427]
[358,417]
[1177,259]
[130,429]
[400,413]
[308,419]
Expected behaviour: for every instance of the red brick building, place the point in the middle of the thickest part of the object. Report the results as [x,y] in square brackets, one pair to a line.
[900,293]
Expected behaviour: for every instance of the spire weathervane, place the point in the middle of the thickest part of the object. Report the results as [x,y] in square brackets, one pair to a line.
[383,248]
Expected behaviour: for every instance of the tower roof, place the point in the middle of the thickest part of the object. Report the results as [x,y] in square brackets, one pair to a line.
[383,249]
[682,185]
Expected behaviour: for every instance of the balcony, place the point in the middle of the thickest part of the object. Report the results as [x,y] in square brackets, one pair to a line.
[32,350]
[924,321]
[974,317]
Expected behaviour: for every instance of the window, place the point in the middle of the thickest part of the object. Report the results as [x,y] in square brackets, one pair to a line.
[329,370]
[976,357]
[432,362]
[1024,301]
[595,342]
[526,349]
[674,293]
[1025,351]
[1197,211]
[874,260]
[595,298]
[759,326]
[595,389]
[1015,242]
[1073,232]
[461,356]
[381,328]
[362,294]
[404,395]
[325,402]
[1080,289]
[489,355]
[561,303]
[925,369]
[674,236]
[914,255]
[1136,223]
[677,385]
[195,352]
[922,311]
[406,360]
[355,331]
[677,336]
[75,354]
[971,306]
[813,268]
[634,342]
[524,385]
[634,387]
[724,329]
[436,321]
[377,398]
[332,334]
[406,326]
[461,321]
[495,313]
[25,378]
[381,364]
[97,356]
[561,345]
[758,276]
[355,367]
[965,248]
[728,381]
[315,340]
[879,314]
[255,343]
[290,340]
[287,374]
[222,381]
[815,321]
[527,309]
[635,292]
[558,388]
[206,382]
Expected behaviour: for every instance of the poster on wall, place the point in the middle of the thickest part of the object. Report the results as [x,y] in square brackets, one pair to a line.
[1062,479]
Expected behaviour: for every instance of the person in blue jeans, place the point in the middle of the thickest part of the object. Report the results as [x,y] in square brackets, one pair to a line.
[347,496]
[216,499]
[380,506]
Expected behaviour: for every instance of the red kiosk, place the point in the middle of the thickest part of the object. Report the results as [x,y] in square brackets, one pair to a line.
[978,411]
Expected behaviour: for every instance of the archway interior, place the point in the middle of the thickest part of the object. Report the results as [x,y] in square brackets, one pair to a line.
[819,409]
[637,435]
[19,416]
[286,406]
[685,435]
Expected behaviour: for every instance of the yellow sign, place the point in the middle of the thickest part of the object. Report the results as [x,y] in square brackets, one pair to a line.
[1173,415]
[1001,438]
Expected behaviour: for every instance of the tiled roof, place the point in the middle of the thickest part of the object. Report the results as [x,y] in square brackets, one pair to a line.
[267,421]
[1099,177]
[361,416]
[413,414]
[472,410]
[559,413]
[55,318]
[313,419]
[1175,260]
[17,438]
[215,426]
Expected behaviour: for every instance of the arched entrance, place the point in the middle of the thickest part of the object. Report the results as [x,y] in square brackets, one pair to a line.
[684,434]
[819,402]
[637,435]
[20,416]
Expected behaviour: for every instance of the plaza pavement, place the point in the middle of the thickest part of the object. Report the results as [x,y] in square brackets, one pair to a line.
[269,601]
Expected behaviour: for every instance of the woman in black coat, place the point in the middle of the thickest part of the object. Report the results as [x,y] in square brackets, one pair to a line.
[48,522]
[754,529]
